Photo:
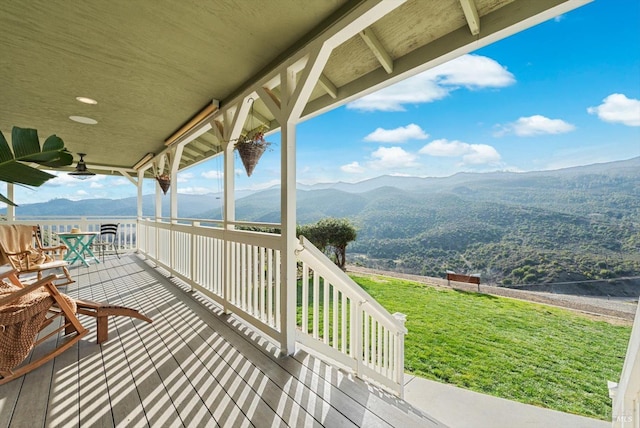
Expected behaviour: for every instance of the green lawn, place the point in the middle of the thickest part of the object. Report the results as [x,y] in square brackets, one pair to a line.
[517,350]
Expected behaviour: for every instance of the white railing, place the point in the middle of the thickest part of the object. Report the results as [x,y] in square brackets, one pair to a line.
[339,319]
[626,393]
[50,227]
[239,270]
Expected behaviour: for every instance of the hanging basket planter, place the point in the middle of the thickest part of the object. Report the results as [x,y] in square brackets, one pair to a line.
[250,151]
[251,145]
[164,181]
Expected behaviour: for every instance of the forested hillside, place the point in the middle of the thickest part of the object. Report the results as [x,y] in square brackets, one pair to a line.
[571,224]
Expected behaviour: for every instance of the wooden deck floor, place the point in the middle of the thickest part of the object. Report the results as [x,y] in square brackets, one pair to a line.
[193,366]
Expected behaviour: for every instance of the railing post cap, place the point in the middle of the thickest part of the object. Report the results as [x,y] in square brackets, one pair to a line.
[613,389]
[400,317]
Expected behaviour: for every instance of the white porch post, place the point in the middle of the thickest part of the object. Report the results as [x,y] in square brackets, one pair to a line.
[234,119]
[297,78]
[229,215]
[173,195]
[140,196]
[159,192]
[288,220]
[11,210]
[139,208]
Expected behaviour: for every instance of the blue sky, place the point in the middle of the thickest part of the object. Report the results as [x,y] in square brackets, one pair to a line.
[561,94]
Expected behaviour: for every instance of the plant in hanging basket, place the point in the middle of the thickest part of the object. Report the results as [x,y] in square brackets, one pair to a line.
[164,181]
[250,148]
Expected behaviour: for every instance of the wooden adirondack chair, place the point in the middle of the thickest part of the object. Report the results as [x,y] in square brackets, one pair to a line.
[21,247]
[24,313]
[26,310]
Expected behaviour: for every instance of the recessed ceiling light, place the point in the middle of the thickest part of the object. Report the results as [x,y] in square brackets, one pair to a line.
[86,100]
[82,119]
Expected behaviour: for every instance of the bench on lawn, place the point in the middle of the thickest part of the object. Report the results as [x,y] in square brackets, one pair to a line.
[470,279]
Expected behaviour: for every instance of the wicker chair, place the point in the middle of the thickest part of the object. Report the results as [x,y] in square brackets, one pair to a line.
[25,311]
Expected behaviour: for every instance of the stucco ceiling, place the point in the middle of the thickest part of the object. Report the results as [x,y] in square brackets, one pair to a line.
[152,65]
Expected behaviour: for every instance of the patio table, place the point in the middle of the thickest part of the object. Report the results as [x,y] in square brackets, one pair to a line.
[79,244]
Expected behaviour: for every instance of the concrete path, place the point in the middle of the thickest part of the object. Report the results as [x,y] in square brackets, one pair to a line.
[458,408]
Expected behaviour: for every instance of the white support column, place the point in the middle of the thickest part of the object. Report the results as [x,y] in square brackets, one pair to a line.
[234,118]
[294,94]
[229,215]
[175,165]
[140,196]
[289,240]
[159,191]
[11,210]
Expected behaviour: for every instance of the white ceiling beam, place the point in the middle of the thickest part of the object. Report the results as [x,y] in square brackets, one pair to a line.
[378,50]
[369,14]
[126,175]
[192,151]
[320,50]
[271,101]
[209,139]
[361,16]
[471,14]
[328,86]
[510,19]
[201,146]
[237,116]
[112,168]
[218,129]
[186,157]
[310,75]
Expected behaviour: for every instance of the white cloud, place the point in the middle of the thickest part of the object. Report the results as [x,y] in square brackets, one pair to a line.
[397,135]
[353,168]
[96,185]
[534,125]
[185,177]
[63,179]
[617,108]
[473,72]
[195,190]
[469,71]
[471,154]
[480,154]
[392,157]
[445,148]
[213,174]
[121,182]
[415,90]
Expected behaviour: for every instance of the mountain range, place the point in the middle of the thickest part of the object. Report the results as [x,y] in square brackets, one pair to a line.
[569,224]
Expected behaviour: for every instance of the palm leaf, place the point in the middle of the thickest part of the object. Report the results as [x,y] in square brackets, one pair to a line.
[26,148]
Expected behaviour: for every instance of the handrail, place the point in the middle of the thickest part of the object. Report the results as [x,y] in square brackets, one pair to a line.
[307,252]
[626,393]
[50,226]
[241,271]
[342,321]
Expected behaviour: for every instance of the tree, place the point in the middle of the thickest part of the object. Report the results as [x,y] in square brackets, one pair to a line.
[26,149]
[331,235]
